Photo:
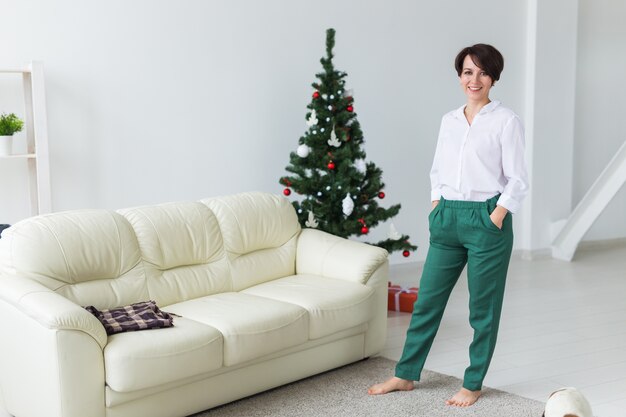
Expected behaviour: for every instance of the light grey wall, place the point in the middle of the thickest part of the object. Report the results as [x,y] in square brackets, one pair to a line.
[152,101]
[600,97]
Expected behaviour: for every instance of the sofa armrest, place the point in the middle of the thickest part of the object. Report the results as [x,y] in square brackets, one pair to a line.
[320,253]
[50,309]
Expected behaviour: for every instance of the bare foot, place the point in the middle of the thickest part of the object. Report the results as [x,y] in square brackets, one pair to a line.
[464,398]
[392,384]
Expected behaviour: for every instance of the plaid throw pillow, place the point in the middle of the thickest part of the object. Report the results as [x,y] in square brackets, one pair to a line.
[138,316]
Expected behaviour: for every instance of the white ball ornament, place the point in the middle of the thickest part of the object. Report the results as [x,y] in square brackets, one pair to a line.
[328,119]
[303,151]
[330,107]
[332,97]
[324,96]
[319,193]
[328,188]
[322,130]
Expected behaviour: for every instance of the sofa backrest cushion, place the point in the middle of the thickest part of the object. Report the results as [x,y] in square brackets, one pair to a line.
[260,232]
[168,253]
[89,256]
[182,248]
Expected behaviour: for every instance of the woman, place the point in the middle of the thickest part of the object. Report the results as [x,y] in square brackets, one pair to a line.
[478,178]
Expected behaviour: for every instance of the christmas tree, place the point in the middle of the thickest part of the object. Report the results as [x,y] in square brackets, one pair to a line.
[340,189]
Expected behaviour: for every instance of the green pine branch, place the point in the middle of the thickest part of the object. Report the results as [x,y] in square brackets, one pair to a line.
[323,179]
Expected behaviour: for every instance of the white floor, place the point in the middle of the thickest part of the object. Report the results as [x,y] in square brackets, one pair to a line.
[563,324]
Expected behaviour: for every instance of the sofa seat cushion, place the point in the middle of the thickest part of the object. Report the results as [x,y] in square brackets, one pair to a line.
[138,360]
[333,304]
[251,326]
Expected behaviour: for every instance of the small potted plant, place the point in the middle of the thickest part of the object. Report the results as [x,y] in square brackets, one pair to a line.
[9,124]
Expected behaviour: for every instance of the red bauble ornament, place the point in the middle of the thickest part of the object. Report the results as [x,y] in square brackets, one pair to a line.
[350,108]
[287,191]
[331,165]
[316,94]
[406,253]
[381,195]
[364,230]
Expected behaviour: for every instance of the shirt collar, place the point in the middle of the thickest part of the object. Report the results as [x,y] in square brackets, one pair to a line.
[489,107]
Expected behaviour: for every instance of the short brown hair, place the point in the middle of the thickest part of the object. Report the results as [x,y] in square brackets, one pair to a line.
[484,56]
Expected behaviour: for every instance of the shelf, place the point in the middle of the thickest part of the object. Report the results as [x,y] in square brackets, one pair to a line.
[35,127]
[21,156]
[18,70]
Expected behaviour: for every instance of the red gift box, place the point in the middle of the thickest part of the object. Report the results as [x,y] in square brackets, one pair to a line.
[401,299]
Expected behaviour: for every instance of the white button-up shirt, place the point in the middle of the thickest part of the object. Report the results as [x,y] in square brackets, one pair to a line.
[478,161]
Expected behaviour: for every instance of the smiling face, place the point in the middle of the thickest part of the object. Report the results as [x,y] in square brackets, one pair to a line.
[475,82]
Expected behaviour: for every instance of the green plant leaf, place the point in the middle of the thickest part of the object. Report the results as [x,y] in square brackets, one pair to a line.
[10,124]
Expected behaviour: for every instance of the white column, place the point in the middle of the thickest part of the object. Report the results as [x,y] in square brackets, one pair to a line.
[550,116]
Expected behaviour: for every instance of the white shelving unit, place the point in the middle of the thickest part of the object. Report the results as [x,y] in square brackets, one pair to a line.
[36,124]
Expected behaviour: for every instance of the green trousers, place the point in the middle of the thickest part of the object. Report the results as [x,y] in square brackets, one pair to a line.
[461,233]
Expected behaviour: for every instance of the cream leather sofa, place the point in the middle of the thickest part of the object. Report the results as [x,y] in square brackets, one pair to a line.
[261,303]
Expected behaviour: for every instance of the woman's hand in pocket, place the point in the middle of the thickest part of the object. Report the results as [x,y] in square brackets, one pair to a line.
[498,215]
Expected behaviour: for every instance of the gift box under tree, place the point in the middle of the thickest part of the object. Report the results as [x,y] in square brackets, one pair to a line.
[401,299]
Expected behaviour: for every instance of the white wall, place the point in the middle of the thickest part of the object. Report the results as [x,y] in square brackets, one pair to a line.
[152,101]
[600,97]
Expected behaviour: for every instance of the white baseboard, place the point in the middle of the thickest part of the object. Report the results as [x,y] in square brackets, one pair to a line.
[602,244]
[583,246]
[527,255]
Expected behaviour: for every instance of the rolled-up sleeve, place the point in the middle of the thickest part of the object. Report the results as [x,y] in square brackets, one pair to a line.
[513,166]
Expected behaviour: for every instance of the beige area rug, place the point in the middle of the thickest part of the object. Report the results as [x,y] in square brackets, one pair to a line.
[343,392]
